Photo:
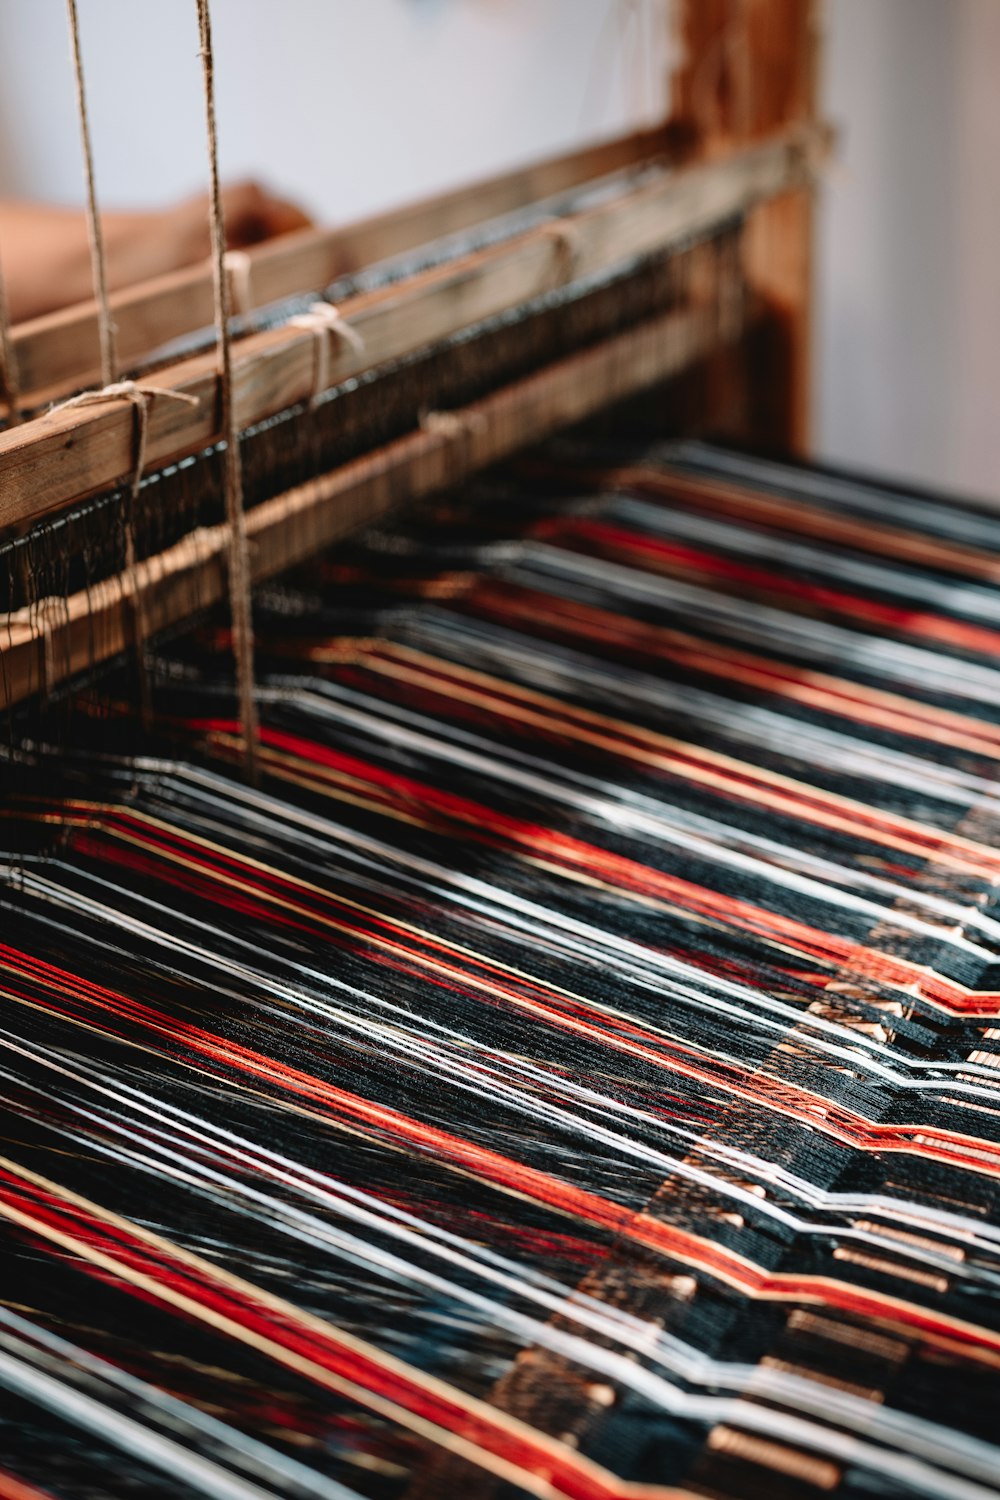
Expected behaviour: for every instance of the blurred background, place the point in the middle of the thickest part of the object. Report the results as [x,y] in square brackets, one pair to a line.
[351,106]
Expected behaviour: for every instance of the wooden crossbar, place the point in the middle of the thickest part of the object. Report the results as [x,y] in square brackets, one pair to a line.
[55,640]
[49,463]
[60,352]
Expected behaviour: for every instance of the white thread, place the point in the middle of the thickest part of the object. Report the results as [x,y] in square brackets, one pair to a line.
[566,239]
[47,612]
[139,393]
[452,424]
[323,319]
[239,269]
[442,423]
[458,429]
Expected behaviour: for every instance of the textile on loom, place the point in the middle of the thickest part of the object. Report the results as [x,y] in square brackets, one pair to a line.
[574,1071]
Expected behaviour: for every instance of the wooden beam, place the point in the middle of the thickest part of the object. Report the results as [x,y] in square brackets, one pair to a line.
[42,647]
[59,352]
[749,67]
[70,453]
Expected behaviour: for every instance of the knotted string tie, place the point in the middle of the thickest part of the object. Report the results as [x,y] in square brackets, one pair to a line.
[323,319]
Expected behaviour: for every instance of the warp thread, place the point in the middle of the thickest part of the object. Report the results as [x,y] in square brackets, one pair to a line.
[47,614]
[323,319]
[531,730]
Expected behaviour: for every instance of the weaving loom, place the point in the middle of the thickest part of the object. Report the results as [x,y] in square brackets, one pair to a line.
[558,1056]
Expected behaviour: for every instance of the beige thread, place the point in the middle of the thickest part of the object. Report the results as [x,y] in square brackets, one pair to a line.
[323,319]
[239,269]
[566,240]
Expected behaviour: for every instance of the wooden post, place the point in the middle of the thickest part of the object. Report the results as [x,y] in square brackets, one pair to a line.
[749,67]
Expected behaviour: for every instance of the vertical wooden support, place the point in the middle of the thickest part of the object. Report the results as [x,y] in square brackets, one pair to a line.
[748,67]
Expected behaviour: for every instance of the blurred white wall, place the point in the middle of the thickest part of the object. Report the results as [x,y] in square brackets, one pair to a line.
[908,331]
[347,105]
[354,105]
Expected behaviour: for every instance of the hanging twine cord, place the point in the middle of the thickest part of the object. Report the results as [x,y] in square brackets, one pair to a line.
[239,552]
[323,319]
[566,243]
[10,383]
[239,269]
[105,322]
[139,395]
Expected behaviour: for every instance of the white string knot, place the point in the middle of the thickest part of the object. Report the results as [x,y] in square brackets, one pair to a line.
[239,269]
[323,319]
[140,393]
[459,430]
[565,237]
[453,424]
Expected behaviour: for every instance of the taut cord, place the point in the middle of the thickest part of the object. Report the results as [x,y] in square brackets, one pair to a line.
[105,322]
[239,552]
[113,389]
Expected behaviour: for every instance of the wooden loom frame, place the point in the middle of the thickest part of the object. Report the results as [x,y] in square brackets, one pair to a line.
[757,160]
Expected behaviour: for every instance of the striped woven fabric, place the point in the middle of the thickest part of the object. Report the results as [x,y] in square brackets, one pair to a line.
[574,1073]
